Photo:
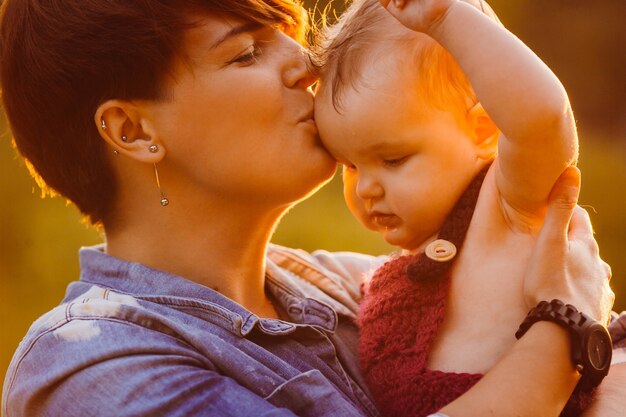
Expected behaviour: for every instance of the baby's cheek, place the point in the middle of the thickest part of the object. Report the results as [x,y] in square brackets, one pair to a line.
[355,204]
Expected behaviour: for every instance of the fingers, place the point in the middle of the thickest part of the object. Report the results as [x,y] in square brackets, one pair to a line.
[581,232]
[561,206]
[609,271]
[608,303]
[580,227]
[566,189]
[398,4]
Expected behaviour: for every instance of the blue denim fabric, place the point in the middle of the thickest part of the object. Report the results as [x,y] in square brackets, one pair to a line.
[132,341]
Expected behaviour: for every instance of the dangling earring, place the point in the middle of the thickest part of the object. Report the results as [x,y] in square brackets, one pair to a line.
[164,200]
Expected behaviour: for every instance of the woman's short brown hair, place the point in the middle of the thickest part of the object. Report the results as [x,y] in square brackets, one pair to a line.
[59,59]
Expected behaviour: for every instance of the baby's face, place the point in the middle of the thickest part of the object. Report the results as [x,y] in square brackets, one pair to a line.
[404,164]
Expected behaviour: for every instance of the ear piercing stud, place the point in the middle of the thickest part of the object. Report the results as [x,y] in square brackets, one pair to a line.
[103,124]
[153,148]
[124,138]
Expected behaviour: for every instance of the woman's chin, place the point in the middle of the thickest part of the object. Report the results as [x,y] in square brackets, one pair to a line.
[320,180]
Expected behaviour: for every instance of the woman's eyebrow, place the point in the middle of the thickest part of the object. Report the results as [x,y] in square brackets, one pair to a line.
[237,30]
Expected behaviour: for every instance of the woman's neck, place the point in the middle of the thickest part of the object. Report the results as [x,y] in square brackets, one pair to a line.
[222,248]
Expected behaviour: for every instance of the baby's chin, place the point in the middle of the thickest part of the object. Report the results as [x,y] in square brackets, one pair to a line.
[395,236]
[407,242]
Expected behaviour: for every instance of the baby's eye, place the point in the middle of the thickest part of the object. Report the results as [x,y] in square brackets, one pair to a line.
[394,162]
[249,56]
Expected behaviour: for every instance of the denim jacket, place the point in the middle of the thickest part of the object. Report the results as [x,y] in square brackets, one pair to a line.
[129,340]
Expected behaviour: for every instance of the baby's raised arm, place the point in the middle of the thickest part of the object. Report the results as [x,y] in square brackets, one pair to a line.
[518,91]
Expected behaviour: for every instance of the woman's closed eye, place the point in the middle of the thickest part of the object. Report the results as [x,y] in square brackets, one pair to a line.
[247,57]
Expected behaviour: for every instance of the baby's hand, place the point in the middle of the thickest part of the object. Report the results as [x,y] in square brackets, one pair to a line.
[423,15]
[418,15]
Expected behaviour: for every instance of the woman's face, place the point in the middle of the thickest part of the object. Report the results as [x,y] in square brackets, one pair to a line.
[238,120]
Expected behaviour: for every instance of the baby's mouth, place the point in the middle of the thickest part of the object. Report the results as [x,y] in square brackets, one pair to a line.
[384,220]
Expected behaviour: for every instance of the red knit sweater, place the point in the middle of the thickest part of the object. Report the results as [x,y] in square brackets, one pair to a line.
[401,312]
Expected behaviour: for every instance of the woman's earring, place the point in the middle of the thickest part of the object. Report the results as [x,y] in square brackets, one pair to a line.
[103,124]
[124,138]
[164,200]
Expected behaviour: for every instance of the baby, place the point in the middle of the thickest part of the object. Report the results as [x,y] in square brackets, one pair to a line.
[451,132]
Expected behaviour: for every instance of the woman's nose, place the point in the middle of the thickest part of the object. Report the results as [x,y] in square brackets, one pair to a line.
[297,72]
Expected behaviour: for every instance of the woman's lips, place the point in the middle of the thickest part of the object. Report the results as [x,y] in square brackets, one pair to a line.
[310,124]
[388,221]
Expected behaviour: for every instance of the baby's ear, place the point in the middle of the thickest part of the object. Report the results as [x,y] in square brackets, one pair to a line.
[484,131]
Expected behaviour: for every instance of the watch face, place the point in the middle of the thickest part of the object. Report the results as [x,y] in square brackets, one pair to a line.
[598,349]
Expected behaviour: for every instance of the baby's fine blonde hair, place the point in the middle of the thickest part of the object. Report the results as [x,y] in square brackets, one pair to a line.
[342,51]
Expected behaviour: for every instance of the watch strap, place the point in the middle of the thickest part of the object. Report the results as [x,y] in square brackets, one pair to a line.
[556,311]
[579,326]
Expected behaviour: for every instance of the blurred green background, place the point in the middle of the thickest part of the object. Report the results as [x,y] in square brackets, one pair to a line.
[582,41]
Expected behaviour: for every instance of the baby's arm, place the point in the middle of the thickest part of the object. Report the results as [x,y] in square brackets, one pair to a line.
[519,92]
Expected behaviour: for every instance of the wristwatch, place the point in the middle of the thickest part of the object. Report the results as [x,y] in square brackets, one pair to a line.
[592,347]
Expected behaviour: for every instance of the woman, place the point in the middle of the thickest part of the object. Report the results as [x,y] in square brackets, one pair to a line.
[185,129]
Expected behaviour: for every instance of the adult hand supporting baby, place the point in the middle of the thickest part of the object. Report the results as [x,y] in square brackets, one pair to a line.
[565,262]
[537,376]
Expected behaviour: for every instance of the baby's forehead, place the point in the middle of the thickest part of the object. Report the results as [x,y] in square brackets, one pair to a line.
[385,71]
[365,34]
[385,66]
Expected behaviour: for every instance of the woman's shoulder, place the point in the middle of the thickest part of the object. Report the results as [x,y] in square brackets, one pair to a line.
[121,343]
[96,330]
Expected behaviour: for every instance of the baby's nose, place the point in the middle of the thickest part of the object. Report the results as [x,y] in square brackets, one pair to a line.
[368,187]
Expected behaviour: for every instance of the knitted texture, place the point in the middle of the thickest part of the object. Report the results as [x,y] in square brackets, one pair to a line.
[401,312]
[399,322]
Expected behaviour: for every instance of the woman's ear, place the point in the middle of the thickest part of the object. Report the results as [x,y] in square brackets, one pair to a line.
[121,126]
[484,131]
